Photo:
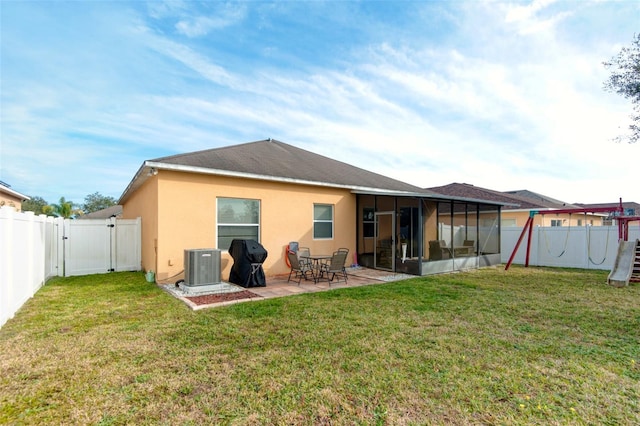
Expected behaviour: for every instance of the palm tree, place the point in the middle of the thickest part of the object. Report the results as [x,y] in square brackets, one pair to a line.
[63,209]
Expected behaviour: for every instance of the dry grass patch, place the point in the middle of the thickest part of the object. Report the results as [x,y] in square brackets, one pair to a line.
[527,346]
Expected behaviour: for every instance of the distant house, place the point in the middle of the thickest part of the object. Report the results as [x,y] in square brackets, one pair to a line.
[276,193]
[518,205]
[113,211]
[630,209]
[9,197]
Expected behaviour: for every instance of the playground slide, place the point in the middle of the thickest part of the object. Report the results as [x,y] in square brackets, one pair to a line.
[623,266]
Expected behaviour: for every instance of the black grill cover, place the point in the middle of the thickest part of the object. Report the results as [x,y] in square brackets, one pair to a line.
[248,256]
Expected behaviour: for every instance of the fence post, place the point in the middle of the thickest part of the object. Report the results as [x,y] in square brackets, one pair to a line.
[6,261]
[587,261]
[59,234]
[30,253]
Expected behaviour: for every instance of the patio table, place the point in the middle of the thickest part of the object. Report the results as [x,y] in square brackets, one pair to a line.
[315,260]
[461,251]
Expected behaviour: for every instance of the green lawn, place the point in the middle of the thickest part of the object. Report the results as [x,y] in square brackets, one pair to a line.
[524,346]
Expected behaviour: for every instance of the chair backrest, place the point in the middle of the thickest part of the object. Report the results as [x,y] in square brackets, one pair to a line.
[304,251]
[337,261]
[438,250]
[438,244]
[293,260]
[469,243]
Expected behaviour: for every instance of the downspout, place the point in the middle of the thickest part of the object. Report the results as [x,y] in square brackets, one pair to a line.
[477,236]
[421,236]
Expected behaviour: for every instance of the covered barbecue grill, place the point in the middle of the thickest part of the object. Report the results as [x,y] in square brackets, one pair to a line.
[248,256]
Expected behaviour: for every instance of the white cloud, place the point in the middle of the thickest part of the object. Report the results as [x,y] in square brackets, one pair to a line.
[528,20]
[527,12]
[198,26]
[499,110]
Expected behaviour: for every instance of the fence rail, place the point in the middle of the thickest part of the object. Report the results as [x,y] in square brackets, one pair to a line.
[588,247]
[36,248]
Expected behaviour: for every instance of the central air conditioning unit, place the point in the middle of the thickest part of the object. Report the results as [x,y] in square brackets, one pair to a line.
[201,267]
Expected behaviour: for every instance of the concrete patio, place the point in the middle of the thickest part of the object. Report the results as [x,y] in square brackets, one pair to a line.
[278,286]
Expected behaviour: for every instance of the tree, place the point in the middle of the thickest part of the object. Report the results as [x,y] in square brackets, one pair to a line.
[97,201]
[625,80]
[63,209]
[35,204]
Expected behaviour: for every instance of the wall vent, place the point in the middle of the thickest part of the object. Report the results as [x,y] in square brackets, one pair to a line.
[201,267]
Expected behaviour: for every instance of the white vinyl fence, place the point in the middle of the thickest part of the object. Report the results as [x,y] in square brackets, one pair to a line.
[588,247]
[95,246]
[36,248]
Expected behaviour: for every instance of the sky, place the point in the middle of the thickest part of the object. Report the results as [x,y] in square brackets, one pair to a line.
[498,94]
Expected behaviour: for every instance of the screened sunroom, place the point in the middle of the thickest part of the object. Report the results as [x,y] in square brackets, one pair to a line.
[422,235]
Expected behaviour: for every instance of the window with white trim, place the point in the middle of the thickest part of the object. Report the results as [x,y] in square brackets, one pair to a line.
[322,221]
[238,218]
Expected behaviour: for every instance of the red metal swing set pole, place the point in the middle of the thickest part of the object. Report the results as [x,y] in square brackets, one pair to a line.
[528,227]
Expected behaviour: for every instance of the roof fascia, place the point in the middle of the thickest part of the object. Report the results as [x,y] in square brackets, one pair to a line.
[144,171]
[16,194]
[138,179]
[435,197]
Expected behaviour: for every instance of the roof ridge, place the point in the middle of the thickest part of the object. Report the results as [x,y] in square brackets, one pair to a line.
[271,158]
[219,149]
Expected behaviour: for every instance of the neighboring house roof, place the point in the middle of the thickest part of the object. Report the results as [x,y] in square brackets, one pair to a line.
[628,207]
[541,198]
[510,200]
[275,161]
[6,189]
[113,211]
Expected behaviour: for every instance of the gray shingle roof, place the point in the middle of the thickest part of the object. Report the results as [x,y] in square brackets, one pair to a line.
[626,205]
[539,198]
[518,202]
[275,159]
[104,213]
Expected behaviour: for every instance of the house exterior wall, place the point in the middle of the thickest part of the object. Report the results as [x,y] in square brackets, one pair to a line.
[144,204]
[186,206]
[10,200]
[545,220]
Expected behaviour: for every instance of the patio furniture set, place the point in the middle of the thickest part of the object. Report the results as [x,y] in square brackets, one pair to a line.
[316,267]
[439,250]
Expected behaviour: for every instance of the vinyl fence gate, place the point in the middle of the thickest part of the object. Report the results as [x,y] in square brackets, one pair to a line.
[36,248]
[94,246]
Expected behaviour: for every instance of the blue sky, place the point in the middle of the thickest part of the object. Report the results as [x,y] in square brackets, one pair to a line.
[502,95]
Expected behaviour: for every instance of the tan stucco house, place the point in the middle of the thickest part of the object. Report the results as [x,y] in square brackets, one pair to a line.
[9,197]
[276,193]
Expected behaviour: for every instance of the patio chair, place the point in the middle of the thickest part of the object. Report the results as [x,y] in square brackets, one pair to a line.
[335,267]
[438,250]
[300,267]
[470,246]
[304,251]
[326,261]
